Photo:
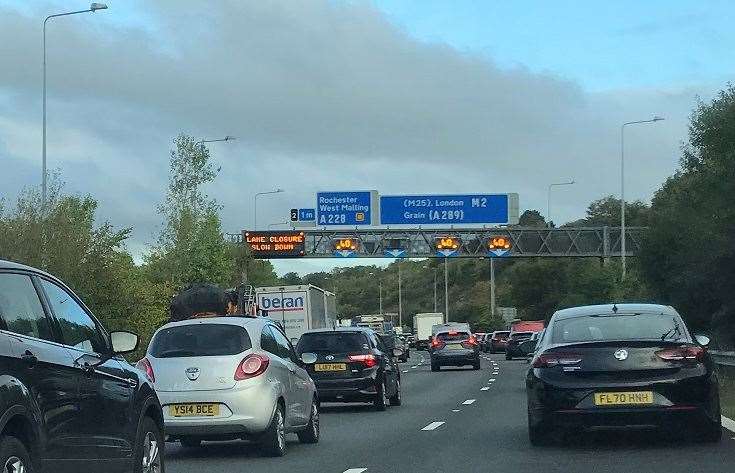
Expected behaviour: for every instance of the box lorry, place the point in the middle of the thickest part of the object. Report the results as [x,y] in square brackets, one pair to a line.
[422,324]
[297,308]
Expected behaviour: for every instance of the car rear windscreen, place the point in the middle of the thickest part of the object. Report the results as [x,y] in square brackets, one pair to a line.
[332,342]
[501,334]
[518,335]
[200,340]
[618,327]
[453,336]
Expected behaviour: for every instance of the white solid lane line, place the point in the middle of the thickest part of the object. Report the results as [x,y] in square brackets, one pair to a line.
[455,410]
[468,402]
[484,389]
[433,426]
[414,367]
[492,379]
[355,470]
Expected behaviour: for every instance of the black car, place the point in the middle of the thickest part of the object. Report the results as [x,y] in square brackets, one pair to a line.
[512,348]
[454,348]
[617,366]
[354,364]
[69,401]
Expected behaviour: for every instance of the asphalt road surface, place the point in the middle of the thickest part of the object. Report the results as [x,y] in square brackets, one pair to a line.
[457,420]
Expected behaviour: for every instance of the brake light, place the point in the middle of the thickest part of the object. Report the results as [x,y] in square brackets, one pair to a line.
[691,353]
[253,365]
[550,360]
[145,366]
[368,360]
[470,342]
[452,332]
[436,343]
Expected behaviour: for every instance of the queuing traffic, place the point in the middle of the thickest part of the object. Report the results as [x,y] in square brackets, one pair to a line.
[214,376]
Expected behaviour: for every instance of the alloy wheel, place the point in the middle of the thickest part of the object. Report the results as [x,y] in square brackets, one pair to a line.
[151,454]
[14,465]
[280,430]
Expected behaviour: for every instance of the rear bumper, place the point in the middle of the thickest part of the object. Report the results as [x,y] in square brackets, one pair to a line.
[245,409]
[347,390]
[455,357]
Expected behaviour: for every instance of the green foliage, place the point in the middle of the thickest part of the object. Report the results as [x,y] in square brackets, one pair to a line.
[689,253]
[532,218]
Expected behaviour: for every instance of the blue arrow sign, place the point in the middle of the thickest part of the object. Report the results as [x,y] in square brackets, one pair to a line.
[346,208]
[345,254]
[395,253]
[448,209]
[446,253]
[499,253]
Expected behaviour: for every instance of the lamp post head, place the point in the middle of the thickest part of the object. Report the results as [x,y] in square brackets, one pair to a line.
[230,138]
[97,6]
[658,119]
[279,190]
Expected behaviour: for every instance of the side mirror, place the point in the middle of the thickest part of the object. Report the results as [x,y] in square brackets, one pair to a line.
[397,352]
[308,358]
[123,342]
[703,340]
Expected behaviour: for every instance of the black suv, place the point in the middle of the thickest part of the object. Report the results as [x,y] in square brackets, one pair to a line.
[353,364]
[68,401]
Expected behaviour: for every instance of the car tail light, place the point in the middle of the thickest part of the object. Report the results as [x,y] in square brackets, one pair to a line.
[470,343]
[253,365]
[437,344]
[368,360]
[550,360]
[681,354]
[145,366]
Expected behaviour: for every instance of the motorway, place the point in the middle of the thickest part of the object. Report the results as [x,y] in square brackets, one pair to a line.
[456,420]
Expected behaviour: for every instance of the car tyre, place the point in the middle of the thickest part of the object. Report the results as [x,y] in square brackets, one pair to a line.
[14,455]
[476,365]
[434,367]
[190,442]
[396,400]
[712,433]
[507,356]
[149,456]
[537,435]
[311,433]
[381,399]
[273,440]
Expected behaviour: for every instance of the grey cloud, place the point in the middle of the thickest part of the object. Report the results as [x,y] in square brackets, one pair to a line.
[320,95]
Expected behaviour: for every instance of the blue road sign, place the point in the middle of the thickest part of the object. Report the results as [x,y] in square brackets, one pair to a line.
[395,253]
[346,208]
[499,253]
[307,215]
[448,209]
[345,254]
[446,253]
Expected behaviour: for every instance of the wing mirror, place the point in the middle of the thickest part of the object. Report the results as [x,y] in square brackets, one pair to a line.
[397,352]
[123,342]
[308,358]
[703,340]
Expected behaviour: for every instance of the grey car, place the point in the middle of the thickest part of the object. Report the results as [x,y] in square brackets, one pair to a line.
[232,377]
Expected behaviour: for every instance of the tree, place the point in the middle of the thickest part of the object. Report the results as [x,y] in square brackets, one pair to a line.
[291,279]
[688,256]
[606,212]
[532,218]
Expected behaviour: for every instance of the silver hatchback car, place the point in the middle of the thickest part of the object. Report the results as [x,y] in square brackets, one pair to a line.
[224,378]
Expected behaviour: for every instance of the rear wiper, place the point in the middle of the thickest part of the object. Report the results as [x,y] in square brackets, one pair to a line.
[675,329]
[172,353]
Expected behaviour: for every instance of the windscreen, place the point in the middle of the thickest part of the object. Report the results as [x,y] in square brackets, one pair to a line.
[332,342]
[452,336]
[200,340]
[618,327]
[518,335]
[501,334]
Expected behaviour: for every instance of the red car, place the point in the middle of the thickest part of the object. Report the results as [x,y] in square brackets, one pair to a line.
[498,341]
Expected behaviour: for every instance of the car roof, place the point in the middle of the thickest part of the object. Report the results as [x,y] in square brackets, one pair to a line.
[226,320]
[5,264]
[612,309]
[341,330]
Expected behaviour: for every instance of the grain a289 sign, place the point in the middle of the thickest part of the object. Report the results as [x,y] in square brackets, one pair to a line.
[449,209]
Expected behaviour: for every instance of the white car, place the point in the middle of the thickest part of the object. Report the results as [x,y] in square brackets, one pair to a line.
[232,377]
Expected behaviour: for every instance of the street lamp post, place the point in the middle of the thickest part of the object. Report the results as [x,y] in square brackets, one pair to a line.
[400,297]
[277,224]
[255,205]
[435,305]
[380,293]
[548,199]
[622,188]
[92,8]
[446,290]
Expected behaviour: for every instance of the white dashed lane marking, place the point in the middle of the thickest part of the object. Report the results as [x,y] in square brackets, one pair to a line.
[491,380]
[468,402]
[455,410]
[484,389]
[433,426]
[355,470]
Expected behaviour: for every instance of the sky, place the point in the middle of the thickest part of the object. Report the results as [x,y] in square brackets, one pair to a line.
[404,97]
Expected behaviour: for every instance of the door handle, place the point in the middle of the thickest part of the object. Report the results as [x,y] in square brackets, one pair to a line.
[132,383]
[29,358]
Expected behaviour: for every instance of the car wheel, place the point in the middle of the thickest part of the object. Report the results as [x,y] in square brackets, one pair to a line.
[311,433]
[149,456]
[396,399]
[274,437]
[712,433]
[190,442]
[434,367]
[14,456]
[476,365]
[507,356]
[381,399]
